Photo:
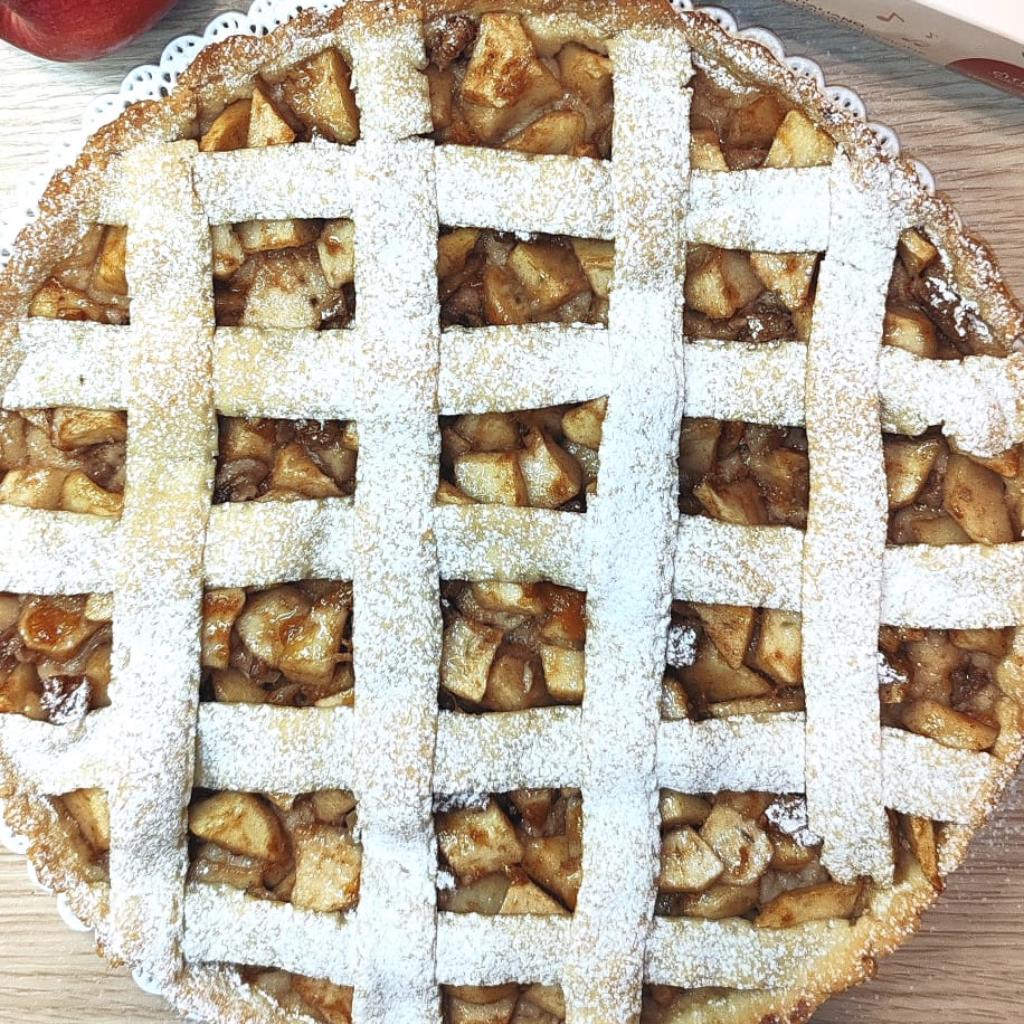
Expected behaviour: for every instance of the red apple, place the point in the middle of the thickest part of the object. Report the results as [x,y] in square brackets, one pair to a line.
[76,29]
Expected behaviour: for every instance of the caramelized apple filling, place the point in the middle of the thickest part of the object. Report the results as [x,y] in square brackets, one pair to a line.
[725,660]
[515,853]
[501,81]
[925,313]
[85,820]
[308,101]
[63,459]
[490,277]
[313,998]
[301,850]
[511,646]
[737,127]
[944,684]
[502,1004]
[287,645]
[283,460]
[54,656]
[747,855]
[89,284]
[287,274]
[939,495]
[743,473]
[546,458]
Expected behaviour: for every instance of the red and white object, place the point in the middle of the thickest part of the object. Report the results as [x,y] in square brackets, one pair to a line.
[983,39]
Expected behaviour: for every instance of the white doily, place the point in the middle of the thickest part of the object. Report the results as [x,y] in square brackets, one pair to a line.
[154,81]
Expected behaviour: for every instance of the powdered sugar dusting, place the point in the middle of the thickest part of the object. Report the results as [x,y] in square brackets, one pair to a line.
[158,591]
[633,528]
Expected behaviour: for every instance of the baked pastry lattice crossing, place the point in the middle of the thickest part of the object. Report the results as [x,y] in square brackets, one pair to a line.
[394,372]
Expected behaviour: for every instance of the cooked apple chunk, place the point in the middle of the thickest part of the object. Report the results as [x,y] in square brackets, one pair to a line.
[947,726]
[908,464]
[779,646]
[270,235]
[468,651]
[230,130]
[789,275]
[551,475]
[916,252]
[294,470]
[327,868]
[267,126]
[476,842]
[89,809]
[241,823]
[524,897]
[336,247]
[320,92]
[720,282]
[79,494]
[558,132]
[72,428]
[911,331]
[800,143]
[504,78]
[108,273]
[288,290]
[729,628]
[974,496]
[740,845]
[821,902]
[688,864]
[491,477]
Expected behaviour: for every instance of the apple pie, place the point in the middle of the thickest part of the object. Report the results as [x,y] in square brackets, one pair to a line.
[512,514]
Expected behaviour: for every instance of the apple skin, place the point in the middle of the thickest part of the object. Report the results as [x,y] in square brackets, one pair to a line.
[69,30]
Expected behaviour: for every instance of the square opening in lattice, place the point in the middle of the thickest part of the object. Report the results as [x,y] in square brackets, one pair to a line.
[725,660]
[286,645]
[943,684]
[510,853]
[540,458]
[749,297]
[85,819]
[287,274]
[736,127]
[89,283]
[64,459]
[301,850]
[310,997]
[743,473]
[939,495]
[502,1004]
[496,278]
[496,82]
[312,99]
[270,459]
[55,656]
[747,855]
[511,646]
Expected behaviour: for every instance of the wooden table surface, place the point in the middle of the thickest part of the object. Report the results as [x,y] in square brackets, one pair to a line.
[967,963]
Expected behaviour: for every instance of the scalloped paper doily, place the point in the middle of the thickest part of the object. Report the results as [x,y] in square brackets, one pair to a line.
[154,81]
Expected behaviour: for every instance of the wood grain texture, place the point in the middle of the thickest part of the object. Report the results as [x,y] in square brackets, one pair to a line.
[966,964]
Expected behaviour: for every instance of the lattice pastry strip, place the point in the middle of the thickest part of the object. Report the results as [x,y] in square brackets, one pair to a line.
[169,470]
[271,373]
[632,525]
[845,539]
